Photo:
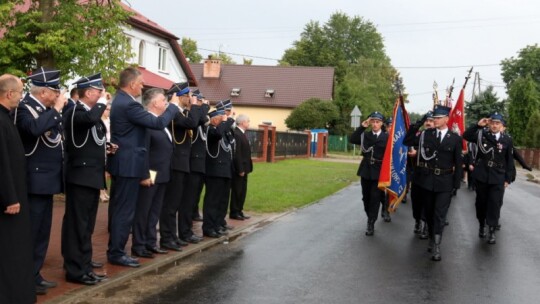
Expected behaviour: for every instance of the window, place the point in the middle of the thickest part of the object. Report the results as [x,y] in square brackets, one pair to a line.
[236,91]
[269,93]
[162,63]
[141,53]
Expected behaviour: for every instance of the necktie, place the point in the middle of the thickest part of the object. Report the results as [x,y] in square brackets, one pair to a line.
[438,136]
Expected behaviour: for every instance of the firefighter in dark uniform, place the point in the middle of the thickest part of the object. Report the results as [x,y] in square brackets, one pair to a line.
[438,172]
[420,225]
[372,145]
[493,171]
[218,173]
[85,177]
[39,122]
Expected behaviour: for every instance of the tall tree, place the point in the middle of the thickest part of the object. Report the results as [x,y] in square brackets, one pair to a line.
[524,97]
[313,113]
[526,63]
[533,131]
[483,105]
[189,47]
[341,41]
[76,37]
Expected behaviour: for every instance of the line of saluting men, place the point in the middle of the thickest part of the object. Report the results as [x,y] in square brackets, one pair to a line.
[159,159]
[436,161]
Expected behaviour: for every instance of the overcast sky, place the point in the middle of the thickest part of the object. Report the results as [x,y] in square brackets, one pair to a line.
[422,37]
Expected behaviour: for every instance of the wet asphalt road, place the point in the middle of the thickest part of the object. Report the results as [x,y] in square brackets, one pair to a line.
[320,255]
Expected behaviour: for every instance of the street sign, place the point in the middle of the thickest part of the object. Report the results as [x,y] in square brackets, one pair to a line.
[355,117]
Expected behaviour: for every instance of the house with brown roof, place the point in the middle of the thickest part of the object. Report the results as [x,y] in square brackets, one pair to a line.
[157,52]
[267,94]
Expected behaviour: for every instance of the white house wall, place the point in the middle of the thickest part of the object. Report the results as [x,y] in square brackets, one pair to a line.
[151,54]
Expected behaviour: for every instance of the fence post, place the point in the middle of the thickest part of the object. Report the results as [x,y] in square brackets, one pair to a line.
[272,156]
[264,155]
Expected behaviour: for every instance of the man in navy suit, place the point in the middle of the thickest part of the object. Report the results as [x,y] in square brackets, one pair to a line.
[129,124]
[242,166]
[152,189]
[39,122]
[85,177]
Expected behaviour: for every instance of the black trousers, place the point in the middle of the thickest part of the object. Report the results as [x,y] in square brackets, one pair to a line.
[436,206]
[489,199]
[171,207]
[122,204]
[470,179]
[199,186]
[191,197]
[77,228]
[238,194]
[417,203]
[41,207]
[215,197]
[147,216]
[371,196]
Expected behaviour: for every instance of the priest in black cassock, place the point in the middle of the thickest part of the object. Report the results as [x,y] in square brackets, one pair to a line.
[16,266]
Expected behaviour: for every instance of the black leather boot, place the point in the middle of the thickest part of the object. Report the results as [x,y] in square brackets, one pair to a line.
[417,227]
[370,227]
[424,235]
[491,237]
[437,248]
[431,244]
[482,231]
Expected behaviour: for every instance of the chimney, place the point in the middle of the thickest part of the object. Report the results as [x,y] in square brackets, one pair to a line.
[211,68]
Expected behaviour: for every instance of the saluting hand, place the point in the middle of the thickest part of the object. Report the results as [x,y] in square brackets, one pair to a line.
[60,101]
[13,209]
[483,122]
[175,100]
[366,122]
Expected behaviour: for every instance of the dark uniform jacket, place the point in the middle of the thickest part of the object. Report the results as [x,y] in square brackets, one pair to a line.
[370,167]
[218,160]
[182,128]
[41,133]
[197,161]
[129,123]
[442,171]
[160,150]
[85,165]
[494,161]
[242,153]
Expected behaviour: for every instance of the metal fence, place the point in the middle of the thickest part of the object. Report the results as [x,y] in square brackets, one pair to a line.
[255,138]
[339,143]
[291,144]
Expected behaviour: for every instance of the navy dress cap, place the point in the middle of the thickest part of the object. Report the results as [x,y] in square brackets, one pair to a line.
[441,111]
[216,113]
[179,87]
[200,96]
[44,77]
[389,120]
[429,115]
[196,92]
[497,117]
[93,81]
[219,105]
[376,115]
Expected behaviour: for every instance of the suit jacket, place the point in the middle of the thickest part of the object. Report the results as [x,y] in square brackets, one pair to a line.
[85,166]
[160,151]
[197,161]
[182,128]
[218,160]
[370,167]
[242,153]
[496,166]
[129,124]
[39,136]
[443,172]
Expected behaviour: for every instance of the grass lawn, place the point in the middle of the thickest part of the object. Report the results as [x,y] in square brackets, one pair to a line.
[288,184]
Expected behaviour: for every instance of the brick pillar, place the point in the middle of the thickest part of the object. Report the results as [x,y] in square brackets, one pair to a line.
[264,156]
[272,135]
[322,145]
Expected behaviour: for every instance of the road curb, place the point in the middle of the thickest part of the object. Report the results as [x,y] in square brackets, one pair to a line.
[160,264]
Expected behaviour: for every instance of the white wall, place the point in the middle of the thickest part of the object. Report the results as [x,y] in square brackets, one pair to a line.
[174,71]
